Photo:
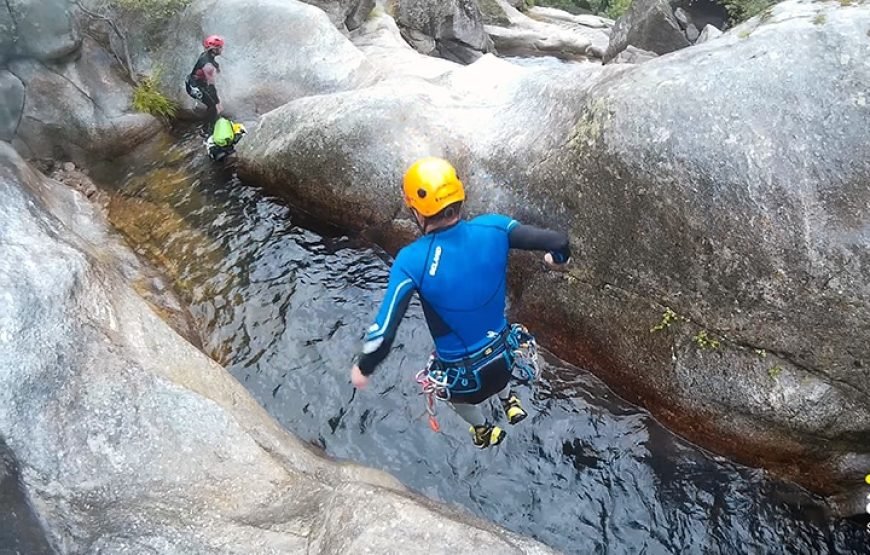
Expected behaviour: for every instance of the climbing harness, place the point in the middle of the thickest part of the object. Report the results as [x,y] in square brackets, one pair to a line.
[193,90]
[524,351]
[521,350]
[433,382]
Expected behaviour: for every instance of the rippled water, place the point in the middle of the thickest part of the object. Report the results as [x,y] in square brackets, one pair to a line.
[284,308]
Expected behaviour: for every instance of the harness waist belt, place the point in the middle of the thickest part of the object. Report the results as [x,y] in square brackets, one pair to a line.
[495,347]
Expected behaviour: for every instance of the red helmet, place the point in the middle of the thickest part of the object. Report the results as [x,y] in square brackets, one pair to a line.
[213,41]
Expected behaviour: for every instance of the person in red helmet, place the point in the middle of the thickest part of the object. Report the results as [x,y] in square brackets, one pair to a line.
[200,83]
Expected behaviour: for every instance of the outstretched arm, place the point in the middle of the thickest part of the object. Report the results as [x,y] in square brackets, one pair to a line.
[530,238]
[382,332]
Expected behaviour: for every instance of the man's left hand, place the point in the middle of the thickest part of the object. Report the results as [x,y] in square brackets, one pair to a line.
[556,266]
[357,378]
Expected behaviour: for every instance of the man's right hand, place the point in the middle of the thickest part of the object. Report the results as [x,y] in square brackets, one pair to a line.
[553,265]
[357,378]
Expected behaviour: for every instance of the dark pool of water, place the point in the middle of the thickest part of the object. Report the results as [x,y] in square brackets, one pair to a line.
[285,308]
[21,533]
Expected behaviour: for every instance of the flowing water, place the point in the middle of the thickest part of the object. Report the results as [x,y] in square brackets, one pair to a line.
[284,307]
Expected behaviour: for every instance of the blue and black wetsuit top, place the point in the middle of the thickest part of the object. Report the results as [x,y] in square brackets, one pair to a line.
[459,273]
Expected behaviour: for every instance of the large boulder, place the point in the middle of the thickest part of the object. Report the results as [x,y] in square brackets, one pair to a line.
[451,29]
[345,14]
[128,439]
[276,50]
[387,53]
[79,109]
[663,26]
[648,25]
[632,55]
[40,29]
[708,33]
[7,34]
[11,104]
[723,268]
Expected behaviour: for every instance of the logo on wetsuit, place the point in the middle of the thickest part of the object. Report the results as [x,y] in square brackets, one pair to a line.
[434,267]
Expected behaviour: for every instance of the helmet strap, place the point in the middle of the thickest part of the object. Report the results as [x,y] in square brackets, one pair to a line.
[417,217]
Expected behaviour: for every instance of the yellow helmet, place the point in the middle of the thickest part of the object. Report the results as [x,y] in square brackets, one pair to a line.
[431,185]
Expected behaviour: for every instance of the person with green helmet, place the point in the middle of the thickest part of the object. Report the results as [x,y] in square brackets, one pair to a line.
[224,138]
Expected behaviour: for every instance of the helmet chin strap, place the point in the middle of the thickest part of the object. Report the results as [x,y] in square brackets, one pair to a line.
[417,218]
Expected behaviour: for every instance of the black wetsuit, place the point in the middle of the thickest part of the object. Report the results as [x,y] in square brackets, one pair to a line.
[198,79]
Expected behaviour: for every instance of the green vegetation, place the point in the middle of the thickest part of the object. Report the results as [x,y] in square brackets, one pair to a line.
[667,318]
[704,341]
[738,10]
[152,16]
[617,8]
[820,19]
[147,98]
[161,10]
[774,372]
[741,10]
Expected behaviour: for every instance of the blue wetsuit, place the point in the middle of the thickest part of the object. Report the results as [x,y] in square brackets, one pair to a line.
[459,273]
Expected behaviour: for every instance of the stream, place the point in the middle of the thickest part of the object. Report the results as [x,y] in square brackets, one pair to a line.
[283,302]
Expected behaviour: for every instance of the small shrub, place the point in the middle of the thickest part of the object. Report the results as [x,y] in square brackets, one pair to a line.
[147,98]
[741,10]
[820,19]
[774,372]
[617,8]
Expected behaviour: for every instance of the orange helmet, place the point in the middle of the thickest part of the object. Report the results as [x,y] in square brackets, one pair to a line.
[430,185]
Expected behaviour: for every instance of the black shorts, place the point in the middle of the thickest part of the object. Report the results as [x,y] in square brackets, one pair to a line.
[492,377]
[205,93]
